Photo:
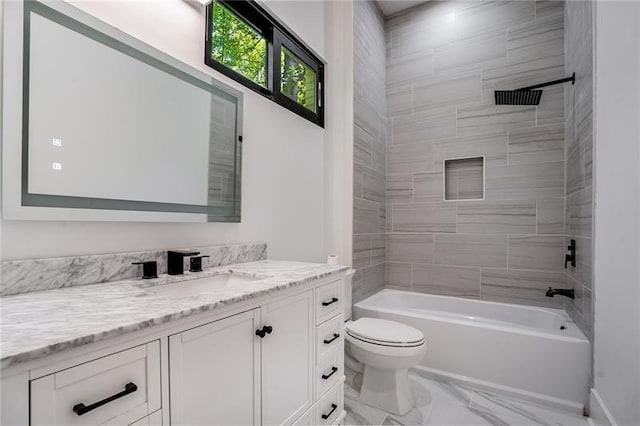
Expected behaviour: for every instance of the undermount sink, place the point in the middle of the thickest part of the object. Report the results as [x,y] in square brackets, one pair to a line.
[189,287]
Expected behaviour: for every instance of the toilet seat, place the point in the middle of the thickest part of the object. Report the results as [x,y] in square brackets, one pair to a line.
[387,344]
[384,333]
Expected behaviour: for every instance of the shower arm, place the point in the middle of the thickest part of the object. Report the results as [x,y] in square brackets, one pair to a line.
[572,79]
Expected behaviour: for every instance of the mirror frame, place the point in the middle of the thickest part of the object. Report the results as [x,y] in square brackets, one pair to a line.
[17,202]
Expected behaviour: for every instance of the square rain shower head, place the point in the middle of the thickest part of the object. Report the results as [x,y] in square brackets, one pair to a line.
[518,97]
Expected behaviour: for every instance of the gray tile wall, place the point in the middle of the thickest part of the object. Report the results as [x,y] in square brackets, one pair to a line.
[370,128]
[579,155]
[444,59]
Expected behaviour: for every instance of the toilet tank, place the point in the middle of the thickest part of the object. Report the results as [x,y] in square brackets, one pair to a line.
[348,288]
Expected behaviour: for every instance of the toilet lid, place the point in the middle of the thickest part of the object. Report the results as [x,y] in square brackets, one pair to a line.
[384,331]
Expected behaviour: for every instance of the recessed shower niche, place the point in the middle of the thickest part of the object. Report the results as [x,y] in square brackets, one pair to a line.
[464,179]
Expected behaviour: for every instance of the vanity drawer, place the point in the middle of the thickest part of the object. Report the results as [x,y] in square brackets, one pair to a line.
[330,336]
[329,408]
[329,370]
[329,301]
[119,388]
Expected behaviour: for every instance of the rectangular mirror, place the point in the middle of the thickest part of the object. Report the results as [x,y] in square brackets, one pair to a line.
[111,129]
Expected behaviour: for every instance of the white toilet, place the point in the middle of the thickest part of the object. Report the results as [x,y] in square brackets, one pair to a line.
[386,349]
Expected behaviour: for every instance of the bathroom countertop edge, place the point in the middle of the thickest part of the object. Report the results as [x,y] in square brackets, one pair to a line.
[29,330]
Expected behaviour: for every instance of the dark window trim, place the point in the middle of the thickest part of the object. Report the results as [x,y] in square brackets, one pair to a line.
[277,36]
[279,40]
[258,23]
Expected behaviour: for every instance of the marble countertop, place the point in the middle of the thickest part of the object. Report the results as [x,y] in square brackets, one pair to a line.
[34,325]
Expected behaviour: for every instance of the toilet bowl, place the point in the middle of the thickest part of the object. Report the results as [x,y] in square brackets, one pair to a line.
[383,351]
[386,349]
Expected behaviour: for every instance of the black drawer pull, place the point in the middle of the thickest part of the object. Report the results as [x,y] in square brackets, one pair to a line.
[333,408]
[267,329]
[333,370]
[331,302]
[335,336]
[81,409]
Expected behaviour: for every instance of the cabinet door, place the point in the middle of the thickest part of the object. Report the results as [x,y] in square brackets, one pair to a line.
[214,372]
[287,359]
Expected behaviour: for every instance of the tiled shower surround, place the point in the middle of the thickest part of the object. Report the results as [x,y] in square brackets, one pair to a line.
[369,150]
[444,61]
[579,154]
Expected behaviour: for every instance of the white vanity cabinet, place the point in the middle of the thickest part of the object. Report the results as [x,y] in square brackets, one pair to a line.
[275,359]
[226,373]
[214,372]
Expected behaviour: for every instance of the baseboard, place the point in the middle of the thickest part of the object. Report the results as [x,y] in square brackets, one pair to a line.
[599,414]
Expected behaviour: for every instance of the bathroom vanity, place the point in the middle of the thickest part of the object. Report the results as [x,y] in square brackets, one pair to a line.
[252,343]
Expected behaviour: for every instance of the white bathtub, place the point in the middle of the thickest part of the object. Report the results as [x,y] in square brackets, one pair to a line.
[530,352]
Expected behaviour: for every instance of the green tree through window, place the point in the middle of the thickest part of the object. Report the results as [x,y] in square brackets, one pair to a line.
[245,43]
[298,81]
[238,46]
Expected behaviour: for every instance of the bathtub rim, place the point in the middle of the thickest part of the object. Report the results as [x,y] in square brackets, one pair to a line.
[576,335]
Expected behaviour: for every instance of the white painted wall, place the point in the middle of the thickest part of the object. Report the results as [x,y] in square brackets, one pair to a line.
[283,163]
[305,18]
[617,211]
[1,62]
[339,84]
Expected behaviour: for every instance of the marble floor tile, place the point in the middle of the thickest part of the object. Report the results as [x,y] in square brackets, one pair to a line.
[442,392]
[361,414]
[441,403]
[515,412]
[461,415]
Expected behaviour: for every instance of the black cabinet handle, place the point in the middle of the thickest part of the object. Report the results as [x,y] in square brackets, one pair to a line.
[81,409]
[267,329]
[333,408]
[332,301]
[335,336]
[333,371]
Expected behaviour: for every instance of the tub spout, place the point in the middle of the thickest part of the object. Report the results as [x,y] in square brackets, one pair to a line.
[561,291]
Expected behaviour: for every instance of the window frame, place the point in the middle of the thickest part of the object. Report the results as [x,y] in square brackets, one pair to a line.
[276,36]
